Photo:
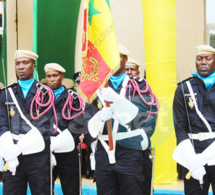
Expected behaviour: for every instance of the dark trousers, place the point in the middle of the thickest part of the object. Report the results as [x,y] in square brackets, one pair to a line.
[125,177]
[147,172]
[192,186]
[33,169]
[68,171]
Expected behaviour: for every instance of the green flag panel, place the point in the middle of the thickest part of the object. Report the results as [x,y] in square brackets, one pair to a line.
[55,33]
[3,52]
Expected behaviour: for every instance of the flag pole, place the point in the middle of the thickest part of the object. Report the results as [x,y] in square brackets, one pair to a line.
[110,138]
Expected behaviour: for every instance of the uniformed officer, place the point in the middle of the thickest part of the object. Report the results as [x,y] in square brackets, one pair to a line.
[134,112]
[25,141]
[194,111]
[67,104]
[132,67]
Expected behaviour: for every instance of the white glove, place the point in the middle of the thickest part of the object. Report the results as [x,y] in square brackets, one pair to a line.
[53,161]
[110,95]
[13,152]
[63,142]
[12,165]
[105,114]
[197,162]
[95,125]
[8,150]
[199,174]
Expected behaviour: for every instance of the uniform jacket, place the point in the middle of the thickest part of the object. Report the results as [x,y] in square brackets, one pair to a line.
[138,121]
[77,125]
[186,119]
[10,119]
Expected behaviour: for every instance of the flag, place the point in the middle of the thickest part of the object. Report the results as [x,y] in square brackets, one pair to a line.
[100,54]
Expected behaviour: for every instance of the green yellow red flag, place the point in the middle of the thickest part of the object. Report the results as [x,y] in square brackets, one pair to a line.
[100,54]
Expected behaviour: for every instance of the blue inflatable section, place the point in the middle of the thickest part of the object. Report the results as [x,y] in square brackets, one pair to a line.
[91,190]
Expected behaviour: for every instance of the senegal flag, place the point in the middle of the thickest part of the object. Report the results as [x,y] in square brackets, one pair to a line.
[100,54]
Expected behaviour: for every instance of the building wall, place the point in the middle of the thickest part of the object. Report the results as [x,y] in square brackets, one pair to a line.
[128,21]
[25,31]
[190,28]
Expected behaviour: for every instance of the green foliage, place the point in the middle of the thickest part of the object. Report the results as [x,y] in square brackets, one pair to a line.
[212,40]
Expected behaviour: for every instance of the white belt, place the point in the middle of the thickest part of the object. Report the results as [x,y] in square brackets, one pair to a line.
[103,137]
[17,137]
[111,154]
[92,155]
[202,136]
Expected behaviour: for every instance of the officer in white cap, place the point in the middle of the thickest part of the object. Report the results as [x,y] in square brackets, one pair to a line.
[120,170]
[132,67]
[24,141]
[194,111]
[64,141]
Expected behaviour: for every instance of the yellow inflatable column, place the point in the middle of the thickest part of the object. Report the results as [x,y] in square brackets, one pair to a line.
[159,18]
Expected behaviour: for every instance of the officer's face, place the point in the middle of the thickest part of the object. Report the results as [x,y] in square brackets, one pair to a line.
[25,68]
[123,60]
[131,70]
[205,64]
[54,79]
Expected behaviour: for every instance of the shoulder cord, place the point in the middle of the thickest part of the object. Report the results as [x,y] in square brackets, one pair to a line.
[153,99]
[38,102]
[68,105]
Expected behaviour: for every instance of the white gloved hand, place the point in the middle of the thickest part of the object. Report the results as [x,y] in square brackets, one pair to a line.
[13,151]
[199,174]
[197,162]
[108,94]
[53,161]
[12,165]
[64,142]
[8,150]
[105,113]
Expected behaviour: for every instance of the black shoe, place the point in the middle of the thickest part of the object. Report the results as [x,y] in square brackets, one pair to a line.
[89,174]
